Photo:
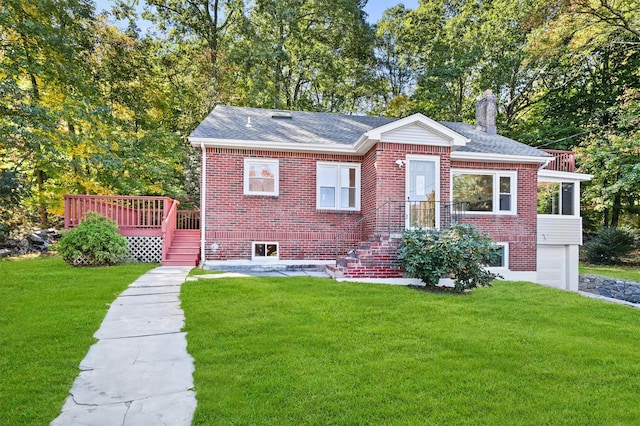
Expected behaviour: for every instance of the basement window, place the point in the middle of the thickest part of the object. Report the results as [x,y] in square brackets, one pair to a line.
[264,250]
[502,261]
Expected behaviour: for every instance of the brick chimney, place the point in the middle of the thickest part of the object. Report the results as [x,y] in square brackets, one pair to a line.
[486,113]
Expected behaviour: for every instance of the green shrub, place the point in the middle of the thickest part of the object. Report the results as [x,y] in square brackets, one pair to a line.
[609,246]
[95,242]
[460,252]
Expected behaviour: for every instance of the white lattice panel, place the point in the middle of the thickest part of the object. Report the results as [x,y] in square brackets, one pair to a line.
[145,249]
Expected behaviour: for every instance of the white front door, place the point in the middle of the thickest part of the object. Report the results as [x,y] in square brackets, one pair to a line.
[422,209]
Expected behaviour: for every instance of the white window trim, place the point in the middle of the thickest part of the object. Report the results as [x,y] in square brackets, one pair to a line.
[265,258]
[357,166]
[505,258]
[276,184]
[576,195]
[496,189]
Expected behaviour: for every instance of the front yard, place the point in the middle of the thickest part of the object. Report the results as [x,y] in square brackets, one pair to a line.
[48,314]
[313,351]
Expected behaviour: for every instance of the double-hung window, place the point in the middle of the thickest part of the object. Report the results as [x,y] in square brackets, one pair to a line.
[481,191]
[338,186]
[261,176]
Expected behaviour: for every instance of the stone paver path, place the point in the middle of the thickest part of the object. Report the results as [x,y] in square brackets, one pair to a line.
[139,372]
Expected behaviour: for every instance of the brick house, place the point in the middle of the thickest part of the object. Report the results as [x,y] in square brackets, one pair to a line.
[305,186]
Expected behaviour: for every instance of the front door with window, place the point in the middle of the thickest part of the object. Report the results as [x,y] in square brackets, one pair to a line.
[423,192]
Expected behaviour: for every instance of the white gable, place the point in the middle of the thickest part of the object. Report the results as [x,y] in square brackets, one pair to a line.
[419,130]
[417,135]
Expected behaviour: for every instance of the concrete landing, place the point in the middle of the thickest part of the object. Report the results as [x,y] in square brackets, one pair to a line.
[139,372]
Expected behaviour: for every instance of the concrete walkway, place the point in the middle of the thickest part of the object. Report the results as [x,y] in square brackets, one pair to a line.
[139,372]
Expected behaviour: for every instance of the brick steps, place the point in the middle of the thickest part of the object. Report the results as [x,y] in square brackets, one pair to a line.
[372,259]
[184,249]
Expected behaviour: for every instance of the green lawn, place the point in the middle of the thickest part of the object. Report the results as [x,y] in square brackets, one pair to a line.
[48,314]
[313,351]
[621,272]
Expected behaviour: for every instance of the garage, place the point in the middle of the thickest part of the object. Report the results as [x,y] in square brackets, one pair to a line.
[552,266]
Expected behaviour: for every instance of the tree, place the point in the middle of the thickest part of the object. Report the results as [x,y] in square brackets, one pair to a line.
[42,88]
[397,61]
[300,54]
[204,22]
[612,155]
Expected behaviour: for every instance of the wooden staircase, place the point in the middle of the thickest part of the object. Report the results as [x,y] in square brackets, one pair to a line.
[184,249]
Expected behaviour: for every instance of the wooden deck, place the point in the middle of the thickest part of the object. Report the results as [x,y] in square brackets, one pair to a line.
[563,161]
[139,217]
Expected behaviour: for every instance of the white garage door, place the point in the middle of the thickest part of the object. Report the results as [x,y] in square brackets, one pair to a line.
[552,264]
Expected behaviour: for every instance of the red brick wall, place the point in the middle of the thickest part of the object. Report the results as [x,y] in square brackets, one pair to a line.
[234,220]
[517,230]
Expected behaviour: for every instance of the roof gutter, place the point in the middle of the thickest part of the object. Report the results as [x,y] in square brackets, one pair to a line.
[271,146]
[500,158]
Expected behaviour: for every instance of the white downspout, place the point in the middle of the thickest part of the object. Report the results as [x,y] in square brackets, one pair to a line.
[203,201]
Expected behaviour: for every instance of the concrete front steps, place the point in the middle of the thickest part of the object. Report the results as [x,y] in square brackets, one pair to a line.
[184,249]
[372,259]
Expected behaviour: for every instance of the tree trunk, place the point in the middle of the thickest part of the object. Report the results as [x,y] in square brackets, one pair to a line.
[42,206]
[616,210]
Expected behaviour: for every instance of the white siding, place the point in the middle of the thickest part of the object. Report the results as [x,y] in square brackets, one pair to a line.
[558,229]
[415,134]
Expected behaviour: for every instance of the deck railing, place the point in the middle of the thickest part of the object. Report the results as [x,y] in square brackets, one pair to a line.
[169,227]
[563,161]
[135,216]
[394,216]
[188,219]
[127,211]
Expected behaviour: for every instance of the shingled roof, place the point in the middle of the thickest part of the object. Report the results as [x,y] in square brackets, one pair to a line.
[255,124]
[245,125]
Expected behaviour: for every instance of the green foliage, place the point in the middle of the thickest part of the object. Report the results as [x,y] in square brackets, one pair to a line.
[612,156]
[460,252]
[10,193]
[95,242]
[609,246]
[303,55]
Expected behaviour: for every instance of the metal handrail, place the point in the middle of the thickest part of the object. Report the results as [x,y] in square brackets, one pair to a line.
[388,219]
